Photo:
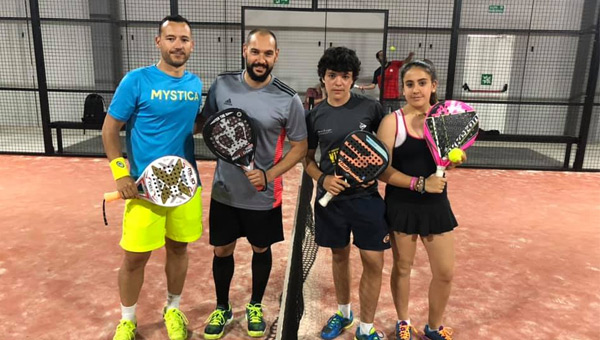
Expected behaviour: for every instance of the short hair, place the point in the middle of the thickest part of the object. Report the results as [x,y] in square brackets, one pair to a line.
[427,66]
[377,54]
[261,31]
[174,18]
[339,59]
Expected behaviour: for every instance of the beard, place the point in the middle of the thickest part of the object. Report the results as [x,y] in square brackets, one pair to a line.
[175,62]
[256,77]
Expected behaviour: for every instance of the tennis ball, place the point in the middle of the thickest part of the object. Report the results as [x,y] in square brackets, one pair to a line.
[455,155]
[392,48]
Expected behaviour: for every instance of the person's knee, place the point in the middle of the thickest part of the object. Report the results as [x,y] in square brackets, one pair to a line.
[372,262]
[135,261]
[176,248]
[224,251]
[403,267]
[444,275]
[340,255]
[259,250]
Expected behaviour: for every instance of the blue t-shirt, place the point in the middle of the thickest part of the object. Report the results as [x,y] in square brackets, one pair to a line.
[160,111]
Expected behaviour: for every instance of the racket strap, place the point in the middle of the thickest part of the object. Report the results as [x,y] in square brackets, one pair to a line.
[104,212]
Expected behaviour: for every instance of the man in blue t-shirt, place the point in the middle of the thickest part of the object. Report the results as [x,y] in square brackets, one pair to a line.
[158,104]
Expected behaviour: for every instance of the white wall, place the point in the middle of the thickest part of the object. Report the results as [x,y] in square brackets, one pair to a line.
[302,39]
[67,48]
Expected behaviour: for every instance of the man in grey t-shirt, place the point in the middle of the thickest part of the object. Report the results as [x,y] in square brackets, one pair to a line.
[237,209]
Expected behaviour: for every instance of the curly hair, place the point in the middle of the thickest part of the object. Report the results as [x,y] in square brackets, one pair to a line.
[339,59]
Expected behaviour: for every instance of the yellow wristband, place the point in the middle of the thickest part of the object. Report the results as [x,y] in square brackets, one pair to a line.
[118,168]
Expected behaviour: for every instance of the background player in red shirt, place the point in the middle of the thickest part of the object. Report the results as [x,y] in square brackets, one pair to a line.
[391,94]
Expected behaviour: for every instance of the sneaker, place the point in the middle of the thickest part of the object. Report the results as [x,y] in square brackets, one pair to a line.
[336,324]
[125,330]
[176,323]
[404,331]
[373,335]
[443,333]
[256,323]
[217,320]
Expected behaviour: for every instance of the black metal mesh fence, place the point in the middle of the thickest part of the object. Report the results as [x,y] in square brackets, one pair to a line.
[524,65]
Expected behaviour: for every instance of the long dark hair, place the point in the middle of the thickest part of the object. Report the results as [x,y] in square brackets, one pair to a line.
[427,66]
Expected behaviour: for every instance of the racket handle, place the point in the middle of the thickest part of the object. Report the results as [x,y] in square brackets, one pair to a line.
[325,199]
[440,171]
[112,196]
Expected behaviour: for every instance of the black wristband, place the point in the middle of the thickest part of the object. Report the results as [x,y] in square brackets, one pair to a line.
[321,179]
[265,177]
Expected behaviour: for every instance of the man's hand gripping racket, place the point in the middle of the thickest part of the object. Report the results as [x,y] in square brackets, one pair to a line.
[168,181]
[230,135]
[449,125]
[360,159]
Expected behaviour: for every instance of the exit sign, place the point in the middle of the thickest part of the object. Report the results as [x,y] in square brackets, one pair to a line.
[496,9]
[281,2]
[486,79]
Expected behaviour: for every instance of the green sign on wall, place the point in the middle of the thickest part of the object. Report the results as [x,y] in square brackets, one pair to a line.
[496,9]
[486,79]
[281,2]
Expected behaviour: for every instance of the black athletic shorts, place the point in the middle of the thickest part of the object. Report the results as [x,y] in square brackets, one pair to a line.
[262,228]
[363,216]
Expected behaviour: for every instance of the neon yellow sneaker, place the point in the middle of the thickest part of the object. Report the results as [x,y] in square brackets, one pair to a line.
[217,320]
[256,322]
[125,330]
[176,323]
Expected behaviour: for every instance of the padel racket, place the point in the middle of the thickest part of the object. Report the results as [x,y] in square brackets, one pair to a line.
[230,135]
[361,158]
[449,124]
[168,181]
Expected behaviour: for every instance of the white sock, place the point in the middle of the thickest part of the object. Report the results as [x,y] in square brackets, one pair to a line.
[365,328]
[345,309]
[173,301]
[128,313]
[407,321]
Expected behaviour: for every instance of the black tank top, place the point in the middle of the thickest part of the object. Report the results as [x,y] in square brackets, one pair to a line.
[412,158]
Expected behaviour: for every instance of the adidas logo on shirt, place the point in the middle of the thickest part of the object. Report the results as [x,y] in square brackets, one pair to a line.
[228,102]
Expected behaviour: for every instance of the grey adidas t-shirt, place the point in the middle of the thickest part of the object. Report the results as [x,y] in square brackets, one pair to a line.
[277,112]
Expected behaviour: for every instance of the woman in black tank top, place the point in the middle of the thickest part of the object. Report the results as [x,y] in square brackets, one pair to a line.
[417,203]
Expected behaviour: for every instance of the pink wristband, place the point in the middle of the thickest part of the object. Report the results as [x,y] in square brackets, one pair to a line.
[413,181]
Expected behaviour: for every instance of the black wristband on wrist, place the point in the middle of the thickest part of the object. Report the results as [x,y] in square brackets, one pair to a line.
[265,177]
[321,179]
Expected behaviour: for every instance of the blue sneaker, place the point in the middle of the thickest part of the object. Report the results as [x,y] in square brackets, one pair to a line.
[443,333]
[373,335]
[336,324]
[404,331]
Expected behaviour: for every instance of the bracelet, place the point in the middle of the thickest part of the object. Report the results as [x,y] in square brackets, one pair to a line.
[321,179]
[420,187]
[118,168]
[265,177]
[413,181]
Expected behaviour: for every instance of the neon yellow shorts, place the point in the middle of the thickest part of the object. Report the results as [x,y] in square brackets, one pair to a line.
[145,225]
